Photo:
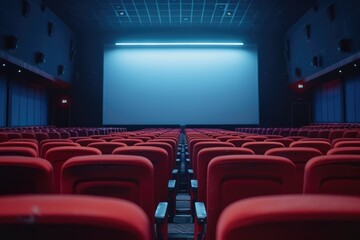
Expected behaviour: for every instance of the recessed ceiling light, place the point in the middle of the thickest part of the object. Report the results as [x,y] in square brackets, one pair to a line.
[122,13]
[4,65]
[355,65]
[19,71]
[185,19]
[229,13]
[340,71]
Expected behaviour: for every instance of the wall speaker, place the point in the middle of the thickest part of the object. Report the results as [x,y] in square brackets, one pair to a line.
[316,61]
[26,8]
[344,45]
[40,57]
[51,28]
[308,31]
[330,10]
[11,42]
[61,70]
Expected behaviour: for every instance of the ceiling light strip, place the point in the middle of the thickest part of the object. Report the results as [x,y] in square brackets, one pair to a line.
[180,44]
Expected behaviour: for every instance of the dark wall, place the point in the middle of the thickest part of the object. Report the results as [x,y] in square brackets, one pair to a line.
[274,92]
[22,94]
[334,92]
[86,109]
[33,37]
[325,35]
[3,96]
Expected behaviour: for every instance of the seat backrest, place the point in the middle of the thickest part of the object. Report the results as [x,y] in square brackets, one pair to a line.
[85,142]
[159,158]
[234,177]
[192,142]
[167,147]
[170,141]
[57,156]
[128,142]
[72,217]
[202,145]
[344,150]
[121,176]
[295,217]
[257,138]
[323,146]
[353,143]
[21,144]
[106,147]
[239,142]
[204,158]
[25,175]
[17,151]
[48,145]
[333,174]
[261,147]
[299,156]
[285,141]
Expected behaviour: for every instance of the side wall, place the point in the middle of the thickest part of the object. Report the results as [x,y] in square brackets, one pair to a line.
[333,100]
[28,104]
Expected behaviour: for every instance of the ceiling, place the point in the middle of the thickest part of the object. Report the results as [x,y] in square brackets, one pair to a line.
[112,15]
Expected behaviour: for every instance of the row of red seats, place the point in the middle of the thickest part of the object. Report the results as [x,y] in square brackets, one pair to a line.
[304,132]
[226,174]
[82,217]
[140,174]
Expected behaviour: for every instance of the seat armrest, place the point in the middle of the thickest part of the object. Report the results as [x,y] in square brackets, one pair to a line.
[174,174]
[190,173]
[200,221]
[172,197]
[161,221]
[161,212]
[200,212]
[194,185]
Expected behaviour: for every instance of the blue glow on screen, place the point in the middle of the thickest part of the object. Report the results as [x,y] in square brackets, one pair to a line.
[180,86]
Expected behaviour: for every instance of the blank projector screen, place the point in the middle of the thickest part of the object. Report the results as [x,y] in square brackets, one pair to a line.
[180,85]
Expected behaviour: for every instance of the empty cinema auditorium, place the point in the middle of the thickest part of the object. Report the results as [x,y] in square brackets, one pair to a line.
[180,119]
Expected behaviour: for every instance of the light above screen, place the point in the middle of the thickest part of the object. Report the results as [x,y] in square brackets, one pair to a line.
[209,44]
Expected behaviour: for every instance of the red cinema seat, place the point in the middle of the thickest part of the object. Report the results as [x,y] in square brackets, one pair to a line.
[18,151]
[299,156]
[49,145]
[344,150]
[167,147]
[85,142]
[25,175]
[31,145]
[295,217]
[333,174]
[46,217]
[204,158]
[261,147]
[159,158]
[234,177]
[128,142]
[239,142]
[323,146]
[354,143]
[202,145]
[106,147]
[57,156]
[121,176]
[285,141]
